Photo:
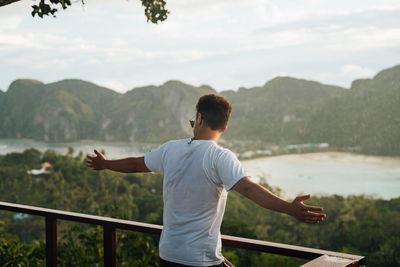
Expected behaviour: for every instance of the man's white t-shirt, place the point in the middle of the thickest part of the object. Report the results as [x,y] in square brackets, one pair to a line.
[197,176]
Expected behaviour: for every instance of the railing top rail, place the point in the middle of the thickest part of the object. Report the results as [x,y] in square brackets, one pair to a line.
[231,241]
[284,249]
[83,218]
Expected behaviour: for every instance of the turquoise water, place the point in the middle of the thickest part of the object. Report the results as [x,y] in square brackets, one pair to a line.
[20,216]
[113,150]
[329,173]
[315,173]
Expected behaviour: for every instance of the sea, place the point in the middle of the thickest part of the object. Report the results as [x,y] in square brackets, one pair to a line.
[321,173]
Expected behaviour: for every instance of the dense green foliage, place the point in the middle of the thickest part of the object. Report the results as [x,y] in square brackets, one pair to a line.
[356,224]
[286,111]
[364,118]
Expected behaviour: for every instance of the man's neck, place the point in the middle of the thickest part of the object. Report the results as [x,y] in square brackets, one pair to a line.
[208,135]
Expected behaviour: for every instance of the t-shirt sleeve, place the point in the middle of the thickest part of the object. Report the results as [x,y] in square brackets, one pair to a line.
[229,170]
[154,159]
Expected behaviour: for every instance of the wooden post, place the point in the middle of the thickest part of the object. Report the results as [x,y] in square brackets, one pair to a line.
[110,259]
[51,241]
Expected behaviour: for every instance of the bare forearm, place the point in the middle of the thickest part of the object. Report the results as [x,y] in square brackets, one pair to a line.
[126,165]
[120,165]
[99,162]
[266,199]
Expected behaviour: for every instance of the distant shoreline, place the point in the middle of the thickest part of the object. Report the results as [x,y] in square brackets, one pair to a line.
[317,155]
[318,173]
[337,156]
[329,173]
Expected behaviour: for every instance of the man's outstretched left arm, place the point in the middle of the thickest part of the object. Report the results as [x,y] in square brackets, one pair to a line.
[126,165]
[268,200]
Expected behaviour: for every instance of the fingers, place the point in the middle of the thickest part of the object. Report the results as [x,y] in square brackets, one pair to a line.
[302,198]
[92,167]
[312,220]
[89,161]
[307,213]
[94,162]
[99,154]
[313,208]
[311,217]
[315,215]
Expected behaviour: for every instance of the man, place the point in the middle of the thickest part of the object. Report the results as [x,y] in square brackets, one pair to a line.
[197,175]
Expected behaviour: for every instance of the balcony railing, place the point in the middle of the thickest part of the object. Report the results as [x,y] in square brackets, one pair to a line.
[319,257]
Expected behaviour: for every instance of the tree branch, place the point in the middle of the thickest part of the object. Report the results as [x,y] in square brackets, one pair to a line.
[154,10]
[7,2]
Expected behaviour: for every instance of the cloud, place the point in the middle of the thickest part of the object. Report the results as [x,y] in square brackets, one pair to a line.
[11,22]
[355,72]
[16,9]
[361,39]
[24,39]
[115,85]
[343,75]
[36,62]
[15,40]
[223,43]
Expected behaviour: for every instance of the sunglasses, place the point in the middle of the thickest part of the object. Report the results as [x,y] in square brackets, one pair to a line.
[192,121]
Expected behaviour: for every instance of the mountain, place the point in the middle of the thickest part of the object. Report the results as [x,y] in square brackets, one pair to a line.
[379,121]
[2,98]
[71,110]
[277,112]
[63,111]
[283,111]
[367,116]
[154,114]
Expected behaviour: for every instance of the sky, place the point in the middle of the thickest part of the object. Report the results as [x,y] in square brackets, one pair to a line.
[226,44]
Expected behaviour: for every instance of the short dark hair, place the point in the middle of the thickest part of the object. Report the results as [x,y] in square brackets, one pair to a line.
[215,110]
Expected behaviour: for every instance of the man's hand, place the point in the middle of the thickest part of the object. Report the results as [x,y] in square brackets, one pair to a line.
[96,163]
[126,165]
[268,200]
[305,213]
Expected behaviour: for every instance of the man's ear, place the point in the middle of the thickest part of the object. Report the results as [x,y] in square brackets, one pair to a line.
[199,118]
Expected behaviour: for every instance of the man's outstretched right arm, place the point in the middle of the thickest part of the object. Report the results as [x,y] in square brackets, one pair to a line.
[268,200]
[126,165]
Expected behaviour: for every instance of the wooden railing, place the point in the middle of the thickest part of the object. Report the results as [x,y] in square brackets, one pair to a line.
[110,225]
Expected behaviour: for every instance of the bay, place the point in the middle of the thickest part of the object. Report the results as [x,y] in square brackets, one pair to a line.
[324,173]
[113,149]
[329,173]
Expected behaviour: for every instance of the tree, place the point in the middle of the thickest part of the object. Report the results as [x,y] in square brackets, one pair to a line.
[154,10]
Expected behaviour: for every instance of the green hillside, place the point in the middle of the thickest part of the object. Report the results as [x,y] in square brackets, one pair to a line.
[279,111]
[367,117]
[364,118]
[154,114]
[63,111]
[284,111]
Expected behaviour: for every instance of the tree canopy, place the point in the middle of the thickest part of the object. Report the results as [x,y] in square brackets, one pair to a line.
[154,10]
[359,225]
